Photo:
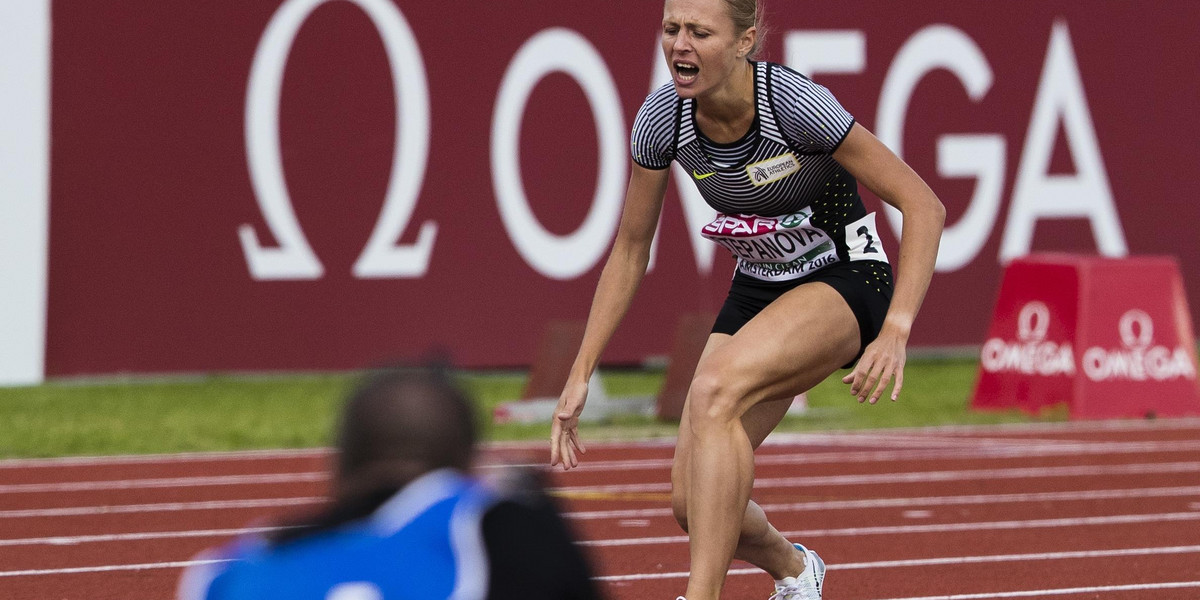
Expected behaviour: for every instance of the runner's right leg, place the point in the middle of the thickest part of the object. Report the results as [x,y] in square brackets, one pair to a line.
[760,543]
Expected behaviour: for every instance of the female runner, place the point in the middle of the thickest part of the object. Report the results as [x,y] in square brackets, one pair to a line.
[780,159]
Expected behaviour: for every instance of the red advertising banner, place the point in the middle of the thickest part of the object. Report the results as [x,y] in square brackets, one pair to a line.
[314,184]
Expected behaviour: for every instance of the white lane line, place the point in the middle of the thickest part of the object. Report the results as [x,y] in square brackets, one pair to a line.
[856,436]
[76,511]
[821,505]
[1098,425]
[74,540]
[677,539]
[179,457]
[930,528]
[860,456]
[911,477]
[950,560]
[824,505]
[1097,589]
[179,564]
[827,480]
[164,482]
[1034,556]
[751,571]
[1005,449]
[801,455]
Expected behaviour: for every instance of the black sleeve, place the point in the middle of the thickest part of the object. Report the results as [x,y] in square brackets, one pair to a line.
[531,551]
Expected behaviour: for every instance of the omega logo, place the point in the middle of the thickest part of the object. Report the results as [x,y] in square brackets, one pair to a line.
[1031,354]
[1033,322]
[294,258]
[1136,328]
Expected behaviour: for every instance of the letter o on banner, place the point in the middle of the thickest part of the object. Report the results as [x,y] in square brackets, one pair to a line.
[558,50]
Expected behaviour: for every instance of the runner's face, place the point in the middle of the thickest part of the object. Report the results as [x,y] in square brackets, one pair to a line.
[700,44]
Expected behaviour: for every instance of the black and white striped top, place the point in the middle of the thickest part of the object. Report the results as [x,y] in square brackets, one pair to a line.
[782,170]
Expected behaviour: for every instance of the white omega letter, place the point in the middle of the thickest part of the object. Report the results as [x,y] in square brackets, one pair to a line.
[294,258]
[826,51]
[1039,195]
[549,51]
[980,156]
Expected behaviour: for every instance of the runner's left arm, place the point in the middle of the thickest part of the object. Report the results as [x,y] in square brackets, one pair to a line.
[894,182]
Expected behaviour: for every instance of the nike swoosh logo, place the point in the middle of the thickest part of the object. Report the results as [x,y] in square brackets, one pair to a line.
[699,176]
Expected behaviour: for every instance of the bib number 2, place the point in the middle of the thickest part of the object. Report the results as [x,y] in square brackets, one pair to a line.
[862,240]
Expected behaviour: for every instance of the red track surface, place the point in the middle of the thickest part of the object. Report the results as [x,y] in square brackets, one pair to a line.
[1086,510]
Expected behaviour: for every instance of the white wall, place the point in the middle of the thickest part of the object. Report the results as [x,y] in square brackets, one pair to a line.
[24,187]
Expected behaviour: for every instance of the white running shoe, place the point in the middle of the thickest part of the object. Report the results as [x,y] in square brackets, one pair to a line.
[806,585]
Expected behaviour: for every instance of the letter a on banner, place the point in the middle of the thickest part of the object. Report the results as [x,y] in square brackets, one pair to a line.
[1039,195]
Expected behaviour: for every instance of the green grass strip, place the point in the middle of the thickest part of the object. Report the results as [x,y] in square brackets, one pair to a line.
[132,416]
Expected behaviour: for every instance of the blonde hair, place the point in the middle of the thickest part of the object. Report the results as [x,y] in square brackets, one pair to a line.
[747,14]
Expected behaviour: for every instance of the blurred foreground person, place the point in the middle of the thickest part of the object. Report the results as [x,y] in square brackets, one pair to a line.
[406,520]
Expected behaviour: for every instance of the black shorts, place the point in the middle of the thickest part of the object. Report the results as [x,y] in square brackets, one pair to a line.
[866,286]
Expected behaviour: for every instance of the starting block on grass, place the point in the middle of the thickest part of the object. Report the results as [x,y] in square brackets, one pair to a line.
[691,334]
[1108,337]
[552,364]
[600,406]
[548,374]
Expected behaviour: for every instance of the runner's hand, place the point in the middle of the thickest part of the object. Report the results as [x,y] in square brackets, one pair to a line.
[881,361]
[565,445]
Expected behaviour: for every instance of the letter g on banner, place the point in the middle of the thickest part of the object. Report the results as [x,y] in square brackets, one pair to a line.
[294,258]
[551,50]
[959,155]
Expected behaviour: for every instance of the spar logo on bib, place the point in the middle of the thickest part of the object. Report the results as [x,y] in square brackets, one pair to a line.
[773,169]
[1138,359]
[773,248]
[1031,354]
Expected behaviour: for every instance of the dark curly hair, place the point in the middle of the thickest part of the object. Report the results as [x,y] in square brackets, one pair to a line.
[398,424]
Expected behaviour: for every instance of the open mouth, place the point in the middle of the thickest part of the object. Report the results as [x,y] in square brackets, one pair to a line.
[686,71]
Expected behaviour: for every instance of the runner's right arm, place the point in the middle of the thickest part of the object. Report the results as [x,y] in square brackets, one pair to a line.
[619,282]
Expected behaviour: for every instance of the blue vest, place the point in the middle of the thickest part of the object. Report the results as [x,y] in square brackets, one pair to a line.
[424,543]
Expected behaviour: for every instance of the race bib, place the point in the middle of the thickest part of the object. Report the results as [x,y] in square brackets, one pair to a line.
[862,240]
[773,248]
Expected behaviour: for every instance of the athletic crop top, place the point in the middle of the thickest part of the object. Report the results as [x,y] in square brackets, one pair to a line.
[786,207]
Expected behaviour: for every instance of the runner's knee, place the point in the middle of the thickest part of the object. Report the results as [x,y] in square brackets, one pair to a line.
[712,400]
